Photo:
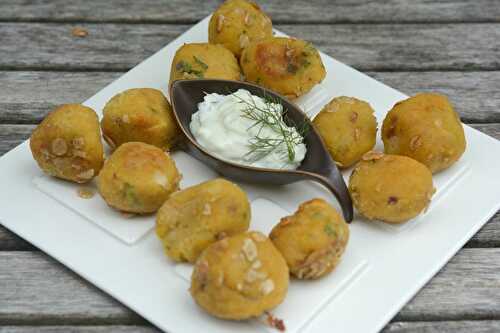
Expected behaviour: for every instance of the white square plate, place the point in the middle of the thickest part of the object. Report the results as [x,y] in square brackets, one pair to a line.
[383,267]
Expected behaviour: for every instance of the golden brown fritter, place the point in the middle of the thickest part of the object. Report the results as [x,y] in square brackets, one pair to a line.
[138,178]
[348,128]
[141,114]
[192,219]
[426,128]
[67,144]
[204,61]
[240,277]
[288,66]
[237,23]
[312,240]
[390,188]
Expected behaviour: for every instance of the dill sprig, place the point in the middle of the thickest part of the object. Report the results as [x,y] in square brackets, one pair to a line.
[270,115]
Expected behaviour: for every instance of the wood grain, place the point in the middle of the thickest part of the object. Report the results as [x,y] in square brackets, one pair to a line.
[49,293]
[79,329]
[487,237]
[280,10]
[387,47]
[36,289]
[449,46]
[467,288]
[475,95]
[462,326]
[11,242]
[12,135]
[30,95]
[477,326]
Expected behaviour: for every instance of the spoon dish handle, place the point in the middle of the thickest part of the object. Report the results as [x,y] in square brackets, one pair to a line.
[332,179]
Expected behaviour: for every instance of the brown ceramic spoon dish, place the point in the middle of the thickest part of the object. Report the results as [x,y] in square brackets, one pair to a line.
[317,164]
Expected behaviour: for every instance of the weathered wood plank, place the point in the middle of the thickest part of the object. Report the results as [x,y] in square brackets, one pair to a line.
[79,329]
[11,242]
[475,95]
[280,10]
[467,288]
[488,236]
[36,289]
[30,95]
[492,129]
[13,135]
[64,298]
[391,47]
[477,326]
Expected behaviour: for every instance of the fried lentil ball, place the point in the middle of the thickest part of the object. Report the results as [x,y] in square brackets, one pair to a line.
[288,66]
[138,178]
[390,188]
[426,128]
[237,23]
[348,128]
[204,61]
[141,114]
[192,219]
[67,144]
[240,277]
[312,240]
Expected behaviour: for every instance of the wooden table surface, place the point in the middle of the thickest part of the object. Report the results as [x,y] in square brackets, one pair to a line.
[449,46]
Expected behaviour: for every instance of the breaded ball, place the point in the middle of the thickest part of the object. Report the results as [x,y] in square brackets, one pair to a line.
[390,188]
[237,23]
[240,277]
[143,115]
[67,144]
[312,240]
[192,219]
[204,61]
[426,128]
[138,178]
[348,128]
[288,66]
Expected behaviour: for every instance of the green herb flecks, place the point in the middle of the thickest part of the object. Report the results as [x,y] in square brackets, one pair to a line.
[292,68]
[130,196]
[272,115]
[186,67]
[201,63]
[305,63]
[329,230]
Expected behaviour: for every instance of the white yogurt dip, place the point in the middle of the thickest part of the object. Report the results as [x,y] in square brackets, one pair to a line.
[248,130]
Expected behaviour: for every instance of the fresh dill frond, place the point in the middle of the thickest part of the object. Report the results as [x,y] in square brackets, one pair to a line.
[272,115]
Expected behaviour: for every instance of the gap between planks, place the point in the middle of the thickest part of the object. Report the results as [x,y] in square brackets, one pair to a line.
[149,11]
[478,326]
[66,298]
[381,47]
[31,94]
